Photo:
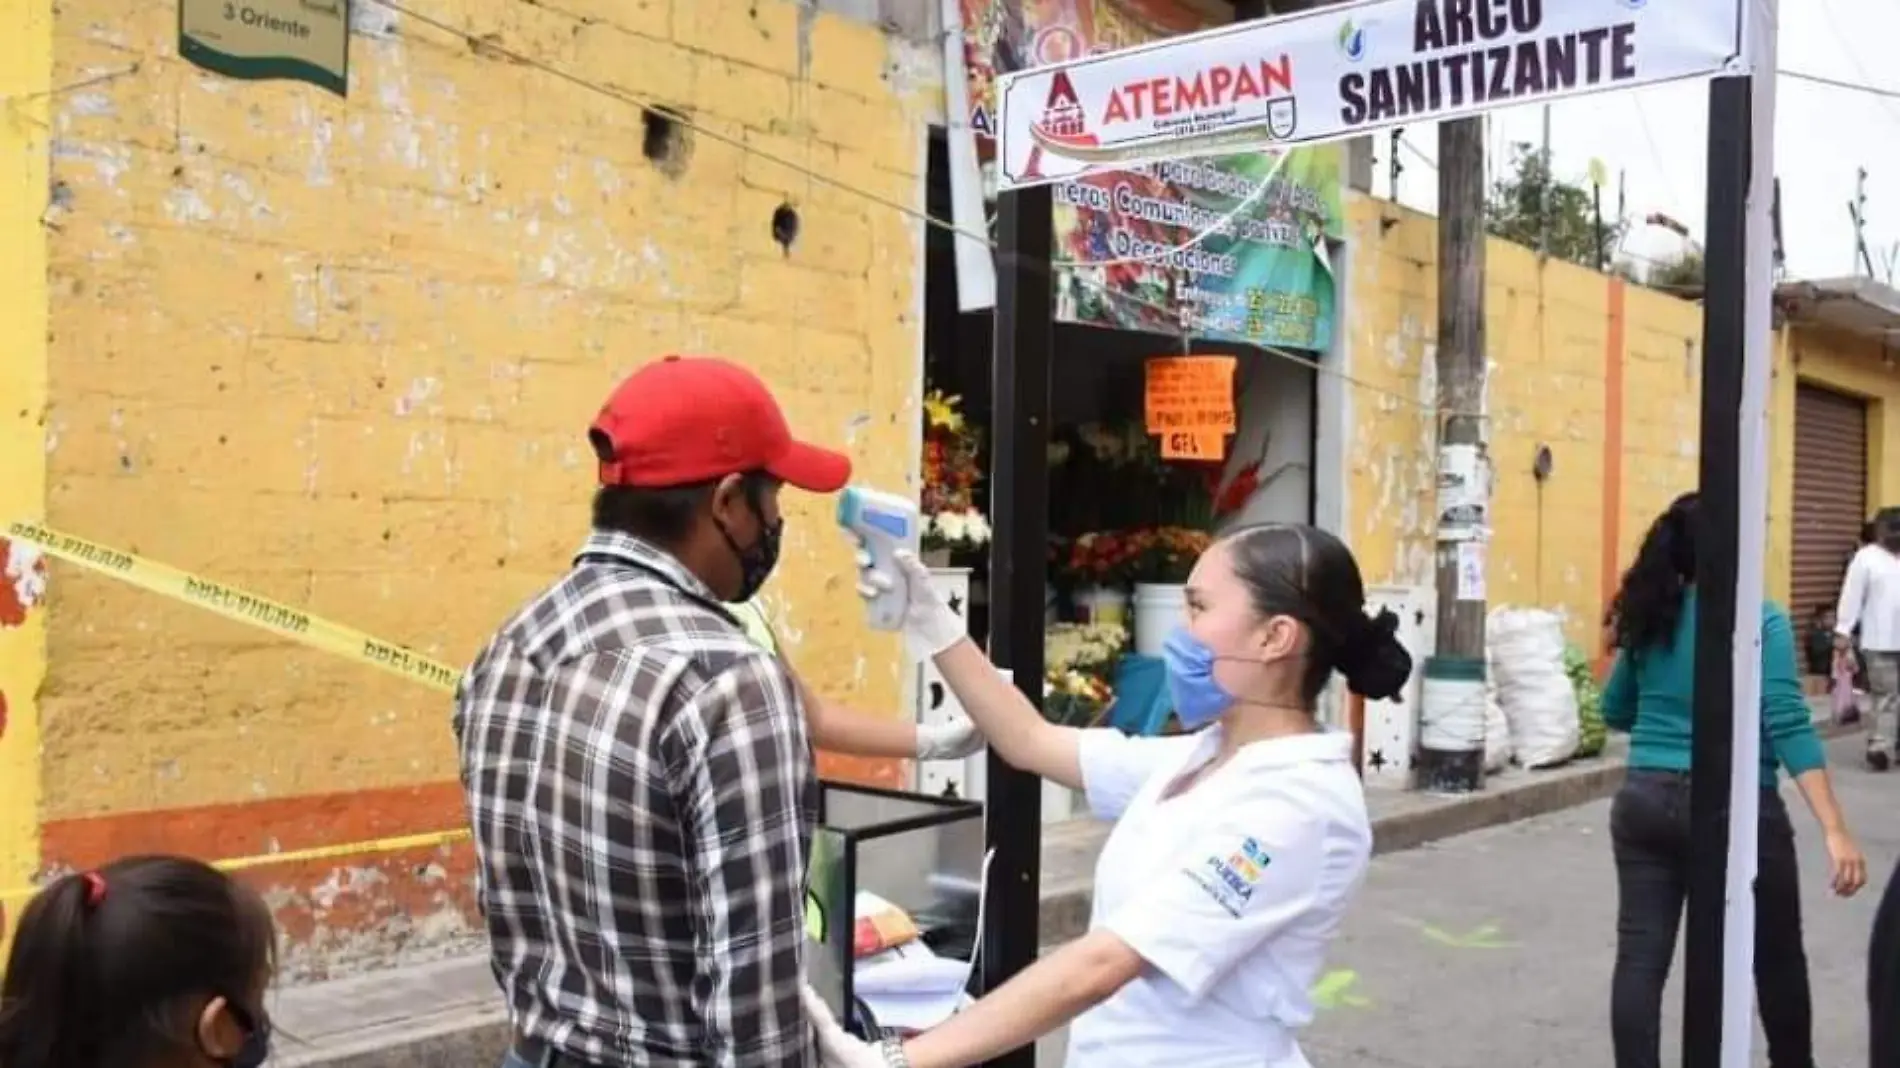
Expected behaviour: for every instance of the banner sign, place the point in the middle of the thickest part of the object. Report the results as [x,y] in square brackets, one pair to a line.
[1230,248]
[260,40]
[1344,70]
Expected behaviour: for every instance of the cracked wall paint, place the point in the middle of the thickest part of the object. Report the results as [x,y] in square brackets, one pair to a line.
[22,581]
[390,320]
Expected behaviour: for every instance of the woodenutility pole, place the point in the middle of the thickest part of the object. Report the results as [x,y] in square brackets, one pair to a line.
[1451,716]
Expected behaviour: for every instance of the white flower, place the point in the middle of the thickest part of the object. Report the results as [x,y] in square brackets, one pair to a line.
[953,525]
[968,528]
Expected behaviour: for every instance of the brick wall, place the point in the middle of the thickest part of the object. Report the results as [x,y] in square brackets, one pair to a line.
[343,353]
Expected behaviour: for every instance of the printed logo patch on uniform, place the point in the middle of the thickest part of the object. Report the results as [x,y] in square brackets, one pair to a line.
[1229,878]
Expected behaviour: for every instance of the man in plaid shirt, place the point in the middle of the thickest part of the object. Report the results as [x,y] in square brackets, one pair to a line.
[637,770]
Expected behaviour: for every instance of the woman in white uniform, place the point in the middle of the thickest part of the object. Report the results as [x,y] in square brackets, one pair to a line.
[1236,848]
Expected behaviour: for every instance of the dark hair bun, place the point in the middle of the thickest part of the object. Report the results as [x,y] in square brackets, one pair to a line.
[1375,664]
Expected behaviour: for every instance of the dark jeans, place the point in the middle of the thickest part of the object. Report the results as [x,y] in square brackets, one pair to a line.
[1883,980]
[1649,828]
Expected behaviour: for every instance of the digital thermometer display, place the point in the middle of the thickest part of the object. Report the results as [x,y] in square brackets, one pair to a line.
[897,526]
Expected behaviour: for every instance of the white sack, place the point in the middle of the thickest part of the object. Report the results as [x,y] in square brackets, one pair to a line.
[1526,660]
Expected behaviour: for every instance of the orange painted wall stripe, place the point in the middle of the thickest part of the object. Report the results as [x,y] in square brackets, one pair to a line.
[251,828]
[248,828]
[1612,517]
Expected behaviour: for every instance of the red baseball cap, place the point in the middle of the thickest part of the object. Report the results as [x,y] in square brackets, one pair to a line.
[686,419]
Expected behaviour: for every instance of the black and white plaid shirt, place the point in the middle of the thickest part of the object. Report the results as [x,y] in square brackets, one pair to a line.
[642,794]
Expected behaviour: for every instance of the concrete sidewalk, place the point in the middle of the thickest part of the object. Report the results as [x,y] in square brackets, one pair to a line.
[448,1012]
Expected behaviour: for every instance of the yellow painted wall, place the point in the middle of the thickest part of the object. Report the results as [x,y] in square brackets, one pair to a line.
[343,353]
[1547,328]
[25,79]
[1662,417]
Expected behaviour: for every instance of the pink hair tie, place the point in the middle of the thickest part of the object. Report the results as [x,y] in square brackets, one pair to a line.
[95,888]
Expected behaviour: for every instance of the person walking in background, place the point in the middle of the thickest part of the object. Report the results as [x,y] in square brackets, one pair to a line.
[1650,694]
[148,962]
[1867,632]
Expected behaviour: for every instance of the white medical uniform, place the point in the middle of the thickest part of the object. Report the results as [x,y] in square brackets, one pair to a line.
[1230,891]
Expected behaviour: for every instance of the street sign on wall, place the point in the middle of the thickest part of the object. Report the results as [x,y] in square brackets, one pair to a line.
[266,40]
[1341,71]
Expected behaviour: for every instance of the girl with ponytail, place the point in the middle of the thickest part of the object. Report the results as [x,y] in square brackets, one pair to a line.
[148,962]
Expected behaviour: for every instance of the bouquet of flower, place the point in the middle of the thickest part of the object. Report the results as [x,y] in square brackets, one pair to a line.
[1075,698]
[1101,558]
[1088,647]
[1079,661]
[952,469]
[1165,555]
[956,531]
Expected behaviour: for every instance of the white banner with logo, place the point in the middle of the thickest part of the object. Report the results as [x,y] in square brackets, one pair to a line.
[1344,70]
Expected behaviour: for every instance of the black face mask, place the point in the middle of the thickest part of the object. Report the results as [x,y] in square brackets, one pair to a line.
[756,562]
[256,1048]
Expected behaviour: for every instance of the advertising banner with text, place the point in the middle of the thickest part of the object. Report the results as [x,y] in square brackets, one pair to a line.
[1226,247]
[1341,71]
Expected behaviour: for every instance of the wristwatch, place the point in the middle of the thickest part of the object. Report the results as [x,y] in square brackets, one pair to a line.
[893,1051]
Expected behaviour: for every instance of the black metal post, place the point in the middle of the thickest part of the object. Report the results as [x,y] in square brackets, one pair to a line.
[1724,336]
[1019,501]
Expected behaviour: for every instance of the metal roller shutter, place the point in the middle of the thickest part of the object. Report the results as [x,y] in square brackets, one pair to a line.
[1830,493]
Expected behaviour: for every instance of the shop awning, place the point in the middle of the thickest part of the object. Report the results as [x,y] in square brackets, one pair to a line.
[1860,307]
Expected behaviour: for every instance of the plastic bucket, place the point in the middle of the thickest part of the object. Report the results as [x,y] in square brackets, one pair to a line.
[1451,725]
[1157,609]
[1102,604]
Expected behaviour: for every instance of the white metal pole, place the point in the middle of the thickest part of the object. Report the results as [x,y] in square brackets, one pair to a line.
[1738,980]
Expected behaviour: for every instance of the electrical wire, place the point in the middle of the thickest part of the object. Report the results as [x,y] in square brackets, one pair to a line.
[1853,59]
[1655,153]
[1419,153]
[1837,83]
[11,99]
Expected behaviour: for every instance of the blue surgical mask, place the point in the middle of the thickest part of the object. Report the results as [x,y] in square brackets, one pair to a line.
[1198,699]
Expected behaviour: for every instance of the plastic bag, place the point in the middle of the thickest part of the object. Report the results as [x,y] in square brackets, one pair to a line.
[1497,730]
[1841,693]
[1526,647]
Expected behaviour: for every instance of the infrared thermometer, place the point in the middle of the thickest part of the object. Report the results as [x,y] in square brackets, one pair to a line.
[884,523]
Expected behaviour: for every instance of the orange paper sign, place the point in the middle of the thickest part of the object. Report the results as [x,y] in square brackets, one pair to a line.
[1194,393]
[1208,445]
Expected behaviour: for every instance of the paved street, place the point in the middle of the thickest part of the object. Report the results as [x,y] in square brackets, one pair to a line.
[1495,947]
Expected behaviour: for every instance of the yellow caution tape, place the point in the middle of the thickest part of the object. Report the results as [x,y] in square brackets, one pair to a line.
[235,604]
[295,625]
[265,614]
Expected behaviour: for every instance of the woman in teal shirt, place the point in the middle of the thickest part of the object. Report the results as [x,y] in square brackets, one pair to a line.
[1650,695]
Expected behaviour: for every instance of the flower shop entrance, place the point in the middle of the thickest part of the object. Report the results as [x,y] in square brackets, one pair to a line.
[1125,525]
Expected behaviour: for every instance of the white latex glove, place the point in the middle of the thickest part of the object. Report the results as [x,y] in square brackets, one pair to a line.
[929,625]
[836,1047]
[948,741]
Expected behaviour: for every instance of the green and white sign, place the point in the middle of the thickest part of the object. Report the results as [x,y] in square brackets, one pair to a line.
[269,40]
